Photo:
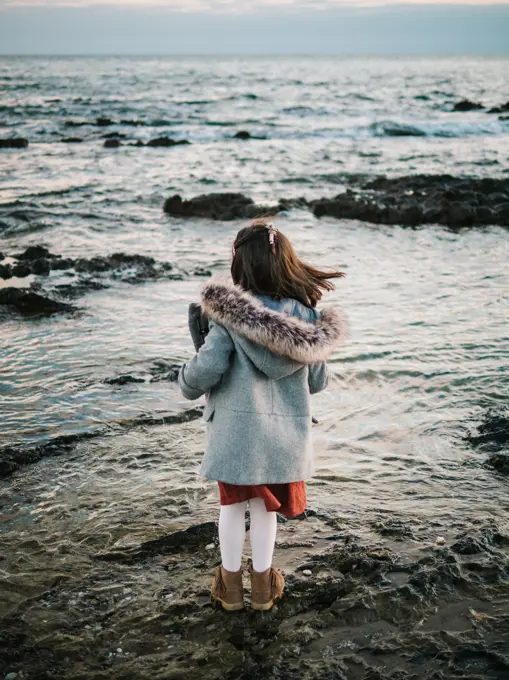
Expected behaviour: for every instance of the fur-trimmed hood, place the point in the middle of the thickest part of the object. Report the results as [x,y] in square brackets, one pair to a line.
[284,335]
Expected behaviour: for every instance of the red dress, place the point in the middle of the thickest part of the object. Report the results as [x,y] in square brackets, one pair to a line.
[287,499]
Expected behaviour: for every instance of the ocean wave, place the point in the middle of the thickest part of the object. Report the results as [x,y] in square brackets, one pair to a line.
[390,128]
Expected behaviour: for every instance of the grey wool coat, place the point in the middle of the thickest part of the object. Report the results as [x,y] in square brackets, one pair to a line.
[261,361]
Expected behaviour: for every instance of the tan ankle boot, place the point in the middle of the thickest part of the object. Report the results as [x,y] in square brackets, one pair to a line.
[227,589]
[266,587]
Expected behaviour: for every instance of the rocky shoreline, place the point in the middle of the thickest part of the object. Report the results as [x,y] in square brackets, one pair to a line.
[406,201]
[44,297]
[353,609]
[117,587]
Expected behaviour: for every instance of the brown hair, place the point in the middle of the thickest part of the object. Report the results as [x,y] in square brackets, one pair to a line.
[274,269]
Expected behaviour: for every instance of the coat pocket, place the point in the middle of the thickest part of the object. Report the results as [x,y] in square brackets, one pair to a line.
[208,412]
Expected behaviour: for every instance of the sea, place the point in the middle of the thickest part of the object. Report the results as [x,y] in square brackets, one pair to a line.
[427,307]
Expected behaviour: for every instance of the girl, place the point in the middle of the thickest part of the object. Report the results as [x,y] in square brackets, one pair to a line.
[263,356]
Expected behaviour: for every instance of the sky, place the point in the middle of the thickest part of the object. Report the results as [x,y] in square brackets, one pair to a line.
[343,27]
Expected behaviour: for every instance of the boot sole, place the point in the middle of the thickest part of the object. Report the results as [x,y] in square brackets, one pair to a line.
[259,607]
[236,606]
[265,606]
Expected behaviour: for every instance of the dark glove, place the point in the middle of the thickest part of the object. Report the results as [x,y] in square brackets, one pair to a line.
[198,325]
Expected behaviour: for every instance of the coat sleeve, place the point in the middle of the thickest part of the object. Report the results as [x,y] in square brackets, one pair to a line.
[318,377]
[205,369]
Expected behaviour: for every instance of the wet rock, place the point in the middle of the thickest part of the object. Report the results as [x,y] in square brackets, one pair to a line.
[133,123]
[41,266]
[14,143]
[103,122]
[114,135]
[396,528]
[123,380]
[166,141]
[78,287]
[471,545]
[499,462]
[112,143]
[492,433]
[5,271]
[33,253]
[225,206]
[422,199]
[72,140]
[202,271]
[242,134]
[163,419]
[123,266]
[467,105]
[503,108]
[29,303]
[163,371]
[13,457]
[406,201]
[197,536]
[20,270]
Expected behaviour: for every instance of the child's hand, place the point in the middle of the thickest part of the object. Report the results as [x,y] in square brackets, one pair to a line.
[198,325]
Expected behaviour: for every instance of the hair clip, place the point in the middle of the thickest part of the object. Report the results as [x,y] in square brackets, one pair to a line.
[272,237]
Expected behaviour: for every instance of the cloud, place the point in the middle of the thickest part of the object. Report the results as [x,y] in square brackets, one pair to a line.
[194,27]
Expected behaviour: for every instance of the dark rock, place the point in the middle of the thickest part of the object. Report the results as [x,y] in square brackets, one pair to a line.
[466,105]
[492,433]
[421,199]
[499,462]
[41,266]
[197,536]
[503,117]
[72,140]
[112,143]
[29,303]
[164,371]
[104,122]
[166,141]
[123,380]
[242,134]
[113,135]
[79,287]
[503,108]
[201,271]
[34,253]
[21,269]
[226,206]
[118,266]
[14,143]
[470,545]
[134,123]
[5,271]
[2,256]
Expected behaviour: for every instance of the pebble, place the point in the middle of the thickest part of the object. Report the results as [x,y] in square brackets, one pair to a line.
[119,650]
[440,540]
[307,572]
[210,546]
[11,676]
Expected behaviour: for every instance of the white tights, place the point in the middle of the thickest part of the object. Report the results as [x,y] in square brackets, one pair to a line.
[232,533]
